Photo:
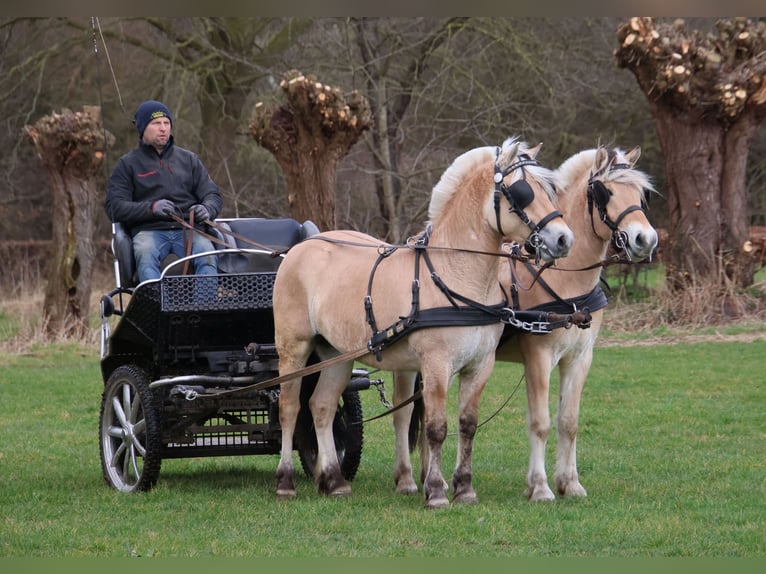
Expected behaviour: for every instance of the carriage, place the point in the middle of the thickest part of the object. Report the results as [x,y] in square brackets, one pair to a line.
[188,364]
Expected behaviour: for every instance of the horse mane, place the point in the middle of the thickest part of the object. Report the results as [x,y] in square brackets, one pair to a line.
[582,161]
[466,163]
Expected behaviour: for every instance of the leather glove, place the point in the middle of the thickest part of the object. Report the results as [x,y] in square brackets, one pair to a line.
[200,212]
[164,208]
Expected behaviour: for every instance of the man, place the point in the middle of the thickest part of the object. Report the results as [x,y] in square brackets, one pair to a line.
[155,181]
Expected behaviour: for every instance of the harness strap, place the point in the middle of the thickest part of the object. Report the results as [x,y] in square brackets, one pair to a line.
[189,239]
[273,382]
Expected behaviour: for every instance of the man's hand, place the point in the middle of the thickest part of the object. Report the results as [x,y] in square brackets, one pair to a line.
[200,212]
[164,208]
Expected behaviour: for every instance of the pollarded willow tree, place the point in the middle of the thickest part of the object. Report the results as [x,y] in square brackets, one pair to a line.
[71,147]
[707,94]
[309,135]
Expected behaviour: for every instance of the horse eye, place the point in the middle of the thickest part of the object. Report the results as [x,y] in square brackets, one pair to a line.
[521,194]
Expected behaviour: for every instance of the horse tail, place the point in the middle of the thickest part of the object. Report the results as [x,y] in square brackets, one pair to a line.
[416,420]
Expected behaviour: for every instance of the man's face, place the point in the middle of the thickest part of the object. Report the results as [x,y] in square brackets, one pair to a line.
[157,132]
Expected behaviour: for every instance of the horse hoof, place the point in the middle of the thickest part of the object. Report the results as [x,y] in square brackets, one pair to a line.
[407,490]
[573,490]
[435,503]
[540,495]
[285,494]
[406,487]
[340,492]
[466,498]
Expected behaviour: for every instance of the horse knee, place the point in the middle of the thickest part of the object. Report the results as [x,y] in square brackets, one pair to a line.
[540,429]
[468,425]
[567,426]
[436,433]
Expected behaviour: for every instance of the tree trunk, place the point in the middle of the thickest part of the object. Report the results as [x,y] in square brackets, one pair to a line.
[309,136]
[708,97]
[71,147]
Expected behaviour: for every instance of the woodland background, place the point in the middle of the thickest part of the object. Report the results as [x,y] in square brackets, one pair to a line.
[549,80]
[435,86]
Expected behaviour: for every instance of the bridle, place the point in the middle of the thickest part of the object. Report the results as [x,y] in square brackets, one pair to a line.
[598,196]
[520,195]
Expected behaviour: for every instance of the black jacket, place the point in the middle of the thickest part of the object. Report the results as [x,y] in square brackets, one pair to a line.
[142,176]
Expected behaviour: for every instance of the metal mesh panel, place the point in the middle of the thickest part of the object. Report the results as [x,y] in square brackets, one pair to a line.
[218,436]
[217,292]
[141,312]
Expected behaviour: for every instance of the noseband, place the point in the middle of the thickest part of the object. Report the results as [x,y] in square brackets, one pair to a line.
[598,196]
[520,195]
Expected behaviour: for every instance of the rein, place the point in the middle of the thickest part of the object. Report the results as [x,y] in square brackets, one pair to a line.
[224,231]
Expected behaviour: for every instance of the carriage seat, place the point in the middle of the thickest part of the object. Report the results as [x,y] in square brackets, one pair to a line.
[125,261]
[275,235]
[272,234]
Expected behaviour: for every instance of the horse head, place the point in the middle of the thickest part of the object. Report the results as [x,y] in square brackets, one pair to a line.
[616,195]
[528,189]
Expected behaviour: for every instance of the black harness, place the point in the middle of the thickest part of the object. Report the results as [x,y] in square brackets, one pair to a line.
[471,313]
[519,195]
[598,195]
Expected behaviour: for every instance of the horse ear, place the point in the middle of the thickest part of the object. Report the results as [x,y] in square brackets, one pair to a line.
[633,155]
[599,162]
[535,150]
[508,154]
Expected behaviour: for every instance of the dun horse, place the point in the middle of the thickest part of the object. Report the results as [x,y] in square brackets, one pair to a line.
[334,289]
[603,199]
[600,194]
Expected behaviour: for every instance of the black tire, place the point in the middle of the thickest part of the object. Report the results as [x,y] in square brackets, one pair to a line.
[348,432]
[130,431]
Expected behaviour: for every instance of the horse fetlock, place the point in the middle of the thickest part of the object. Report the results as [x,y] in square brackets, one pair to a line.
[285,484]
[464,491]
[569,485]
[330,482]
[538,490]
[435,489]
[405,483]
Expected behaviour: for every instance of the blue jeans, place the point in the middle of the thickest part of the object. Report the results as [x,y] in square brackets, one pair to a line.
[152,246]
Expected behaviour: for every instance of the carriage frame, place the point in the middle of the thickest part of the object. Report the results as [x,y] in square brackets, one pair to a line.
[179,365]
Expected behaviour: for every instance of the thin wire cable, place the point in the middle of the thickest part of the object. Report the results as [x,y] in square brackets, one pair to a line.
[109,61]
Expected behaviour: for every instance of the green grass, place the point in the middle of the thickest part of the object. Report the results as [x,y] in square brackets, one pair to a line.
[672,450]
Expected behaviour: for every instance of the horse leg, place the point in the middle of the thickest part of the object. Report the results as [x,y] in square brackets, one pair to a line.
[572,379]
[435,427]
[537,372]
[324,405]
[289,405]
[471,386]
[293,357]
[404,386]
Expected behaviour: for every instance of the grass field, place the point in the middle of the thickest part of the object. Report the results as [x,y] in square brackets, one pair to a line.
[672,450]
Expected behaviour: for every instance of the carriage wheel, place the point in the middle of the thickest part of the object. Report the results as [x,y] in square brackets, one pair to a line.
[347,430]
[130,432]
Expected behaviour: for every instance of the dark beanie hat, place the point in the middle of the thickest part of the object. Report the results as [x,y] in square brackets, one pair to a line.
[149,110]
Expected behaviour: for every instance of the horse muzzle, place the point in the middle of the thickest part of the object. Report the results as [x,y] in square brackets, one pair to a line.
[551,242]
[637,242]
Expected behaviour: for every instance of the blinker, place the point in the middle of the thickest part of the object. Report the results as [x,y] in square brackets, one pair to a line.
[520,194]
[601,193]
